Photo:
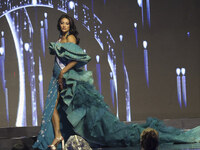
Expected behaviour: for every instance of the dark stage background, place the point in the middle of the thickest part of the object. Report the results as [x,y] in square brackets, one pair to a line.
[148,53]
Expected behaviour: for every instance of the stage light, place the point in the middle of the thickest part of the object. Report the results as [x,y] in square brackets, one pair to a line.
[1,51]
[188,34]
[136,34]
[121,37]
[85,64]
[98,70]
[97,58]
[34,2]
[40,78]
[71,5]
[45,15]
[111,75]
[26,46]
[145,44]
[139,3]
[41,23]
[183,71]
[178,71]
[146,62]
[135,25]
[148,12]
[2,33]
[184,87]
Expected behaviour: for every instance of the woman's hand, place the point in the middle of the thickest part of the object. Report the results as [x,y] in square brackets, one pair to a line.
[64,70]
[60,80]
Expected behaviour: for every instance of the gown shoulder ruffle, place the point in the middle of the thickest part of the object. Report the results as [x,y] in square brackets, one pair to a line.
[69,51]
[83,111]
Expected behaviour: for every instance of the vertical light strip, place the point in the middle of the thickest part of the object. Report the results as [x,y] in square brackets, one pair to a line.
[136,35]
[21,112]
[113,69]
[98,69]
[98,31]
[85,64]
[31,70]
[127,90]
[140,4]
[178,79]
[76,10]
[2,70]
[148,12]
[42,37]
[40,78]
[146,64]
[112,89]
[46,26]
[184,86]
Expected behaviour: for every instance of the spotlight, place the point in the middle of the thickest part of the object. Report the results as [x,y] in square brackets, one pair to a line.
[178,71]
[41,23]
[71,5]
[135,25]
[97,58]
[183,71]
[45,15]
[145,44]
[40,78]
[34,2]
[1,51]
[26,46]
[111,75]
[139,3]
[2,33]
[188,34]
[121,37]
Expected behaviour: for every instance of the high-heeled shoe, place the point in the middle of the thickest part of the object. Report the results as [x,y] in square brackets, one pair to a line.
[52,147]
[60,139]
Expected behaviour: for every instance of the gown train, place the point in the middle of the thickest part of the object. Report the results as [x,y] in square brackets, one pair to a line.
[82,109]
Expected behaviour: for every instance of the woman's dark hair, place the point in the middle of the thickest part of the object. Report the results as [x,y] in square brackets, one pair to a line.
[72,29]
[149,139]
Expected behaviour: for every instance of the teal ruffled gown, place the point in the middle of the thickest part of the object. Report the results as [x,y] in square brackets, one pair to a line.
[83,111]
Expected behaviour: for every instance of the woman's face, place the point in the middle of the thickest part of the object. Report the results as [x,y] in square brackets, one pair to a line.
[64,25]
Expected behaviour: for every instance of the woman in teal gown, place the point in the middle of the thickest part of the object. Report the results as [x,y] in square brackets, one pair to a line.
[81,108]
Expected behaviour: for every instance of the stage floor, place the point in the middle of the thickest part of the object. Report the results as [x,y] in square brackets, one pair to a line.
[195,146]
[7,144]
[12,135]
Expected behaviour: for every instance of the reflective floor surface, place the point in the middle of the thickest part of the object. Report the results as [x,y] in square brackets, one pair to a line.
[195,146]
[7,144]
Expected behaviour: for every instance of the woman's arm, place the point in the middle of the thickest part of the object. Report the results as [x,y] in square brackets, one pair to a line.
[72,39]
[68,66]
[65,69]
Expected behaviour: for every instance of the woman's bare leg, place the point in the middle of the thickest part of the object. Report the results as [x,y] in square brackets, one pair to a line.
[56,122]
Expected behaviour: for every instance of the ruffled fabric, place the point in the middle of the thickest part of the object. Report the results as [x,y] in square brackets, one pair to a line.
[69,51]
[100,126]
[46,135]
[66,52]
[83,111]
